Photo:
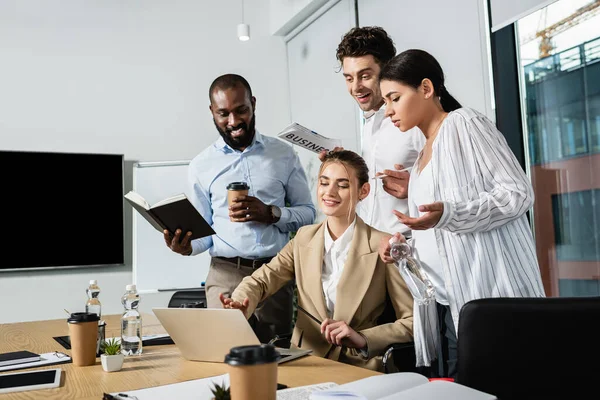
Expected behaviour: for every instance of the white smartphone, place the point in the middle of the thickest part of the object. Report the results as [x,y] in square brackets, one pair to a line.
[30,380]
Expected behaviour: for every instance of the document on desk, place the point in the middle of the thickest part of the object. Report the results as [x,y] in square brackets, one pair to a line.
[200,389]
[197,389]
[400,385]
[55,357]
[303,392]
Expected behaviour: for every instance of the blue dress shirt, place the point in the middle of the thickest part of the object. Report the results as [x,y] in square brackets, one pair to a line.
[273,171]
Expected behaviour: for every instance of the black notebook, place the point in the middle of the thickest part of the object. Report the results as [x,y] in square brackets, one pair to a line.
[18,357]
[171,214]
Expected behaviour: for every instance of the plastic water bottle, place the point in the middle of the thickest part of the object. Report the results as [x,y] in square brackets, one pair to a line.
[93,304]
[131,323]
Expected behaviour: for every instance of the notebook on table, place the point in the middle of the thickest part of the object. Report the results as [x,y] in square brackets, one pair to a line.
[195,332]
[43,359]
[18,357]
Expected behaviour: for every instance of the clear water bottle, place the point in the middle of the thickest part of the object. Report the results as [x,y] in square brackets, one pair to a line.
[93,304]
[412,271]
[131,323]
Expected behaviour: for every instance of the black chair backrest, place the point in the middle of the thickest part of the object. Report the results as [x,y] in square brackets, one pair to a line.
[190,298]
[530,348]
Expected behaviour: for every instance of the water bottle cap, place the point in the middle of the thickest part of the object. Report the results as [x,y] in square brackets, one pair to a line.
[93,282]
[130,287]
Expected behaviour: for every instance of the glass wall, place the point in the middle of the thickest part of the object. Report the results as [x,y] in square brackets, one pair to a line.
[559,49]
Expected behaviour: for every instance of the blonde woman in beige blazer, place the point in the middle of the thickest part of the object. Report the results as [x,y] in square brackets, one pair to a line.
[341,280]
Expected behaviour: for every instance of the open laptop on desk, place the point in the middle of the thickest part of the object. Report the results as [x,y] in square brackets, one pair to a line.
[207,334]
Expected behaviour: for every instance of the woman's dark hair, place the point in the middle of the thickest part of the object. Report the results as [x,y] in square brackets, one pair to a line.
[411,67]
[349,159]
[366,40]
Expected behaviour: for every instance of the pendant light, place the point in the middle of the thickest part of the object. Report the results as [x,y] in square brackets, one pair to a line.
[243,29]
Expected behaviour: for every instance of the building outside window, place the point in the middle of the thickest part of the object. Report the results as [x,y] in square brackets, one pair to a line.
[559,51]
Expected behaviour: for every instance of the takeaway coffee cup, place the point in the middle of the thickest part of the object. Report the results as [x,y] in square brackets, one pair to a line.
[236,189]
[83,333]
[253,372]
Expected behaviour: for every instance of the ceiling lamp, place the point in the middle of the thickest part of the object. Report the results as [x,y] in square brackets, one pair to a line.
[243,29]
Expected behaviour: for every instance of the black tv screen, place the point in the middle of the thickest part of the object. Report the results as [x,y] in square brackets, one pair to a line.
[60,210]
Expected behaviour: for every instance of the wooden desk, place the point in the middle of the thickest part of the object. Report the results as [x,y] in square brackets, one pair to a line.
[158,365]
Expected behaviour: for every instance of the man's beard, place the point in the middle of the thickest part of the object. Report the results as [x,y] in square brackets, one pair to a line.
[243,141]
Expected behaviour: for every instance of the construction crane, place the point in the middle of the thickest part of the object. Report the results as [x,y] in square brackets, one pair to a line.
[546,34]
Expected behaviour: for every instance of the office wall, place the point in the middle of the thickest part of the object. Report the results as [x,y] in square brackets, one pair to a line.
[454,32]
[313,70]
[288,14]
[121,76]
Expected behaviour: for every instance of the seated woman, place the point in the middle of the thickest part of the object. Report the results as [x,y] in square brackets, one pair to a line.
[340,278]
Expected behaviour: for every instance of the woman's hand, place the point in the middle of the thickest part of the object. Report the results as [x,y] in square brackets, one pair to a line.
[396,181]
[385,246]
[433,213]
[337,331]
[230,303]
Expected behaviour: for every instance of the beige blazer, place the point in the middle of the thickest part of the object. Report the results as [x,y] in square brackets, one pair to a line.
[360,298]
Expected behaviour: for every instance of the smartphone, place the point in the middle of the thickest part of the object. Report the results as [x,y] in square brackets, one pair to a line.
[30,380]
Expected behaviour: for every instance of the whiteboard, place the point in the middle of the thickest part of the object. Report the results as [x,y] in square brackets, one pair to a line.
[155,266]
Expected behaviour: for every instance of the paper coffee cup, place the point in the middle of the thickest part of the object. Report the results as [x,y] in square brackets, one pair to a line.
[83,333]
[236,189]
[253,372]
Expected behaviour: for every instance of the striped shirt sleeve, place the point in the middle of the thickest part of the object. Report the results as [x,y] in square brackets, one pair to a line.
[499,192]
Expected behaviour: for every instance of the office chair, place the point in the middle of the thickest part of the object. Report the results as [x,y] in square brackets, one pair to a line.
[530,348]
[188,298]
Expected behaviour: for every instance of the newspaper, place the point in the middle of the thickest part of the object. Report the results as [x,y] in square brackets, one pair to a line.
[305,138]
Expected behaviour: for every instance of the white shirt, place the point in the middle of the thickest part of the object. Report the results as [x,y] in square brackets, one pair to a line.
[424,244]
[334,258]
[383,146]
[484,239]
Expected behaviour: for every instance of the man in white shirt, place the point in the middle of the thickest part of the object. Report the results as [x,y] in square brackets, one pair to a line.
[362,54]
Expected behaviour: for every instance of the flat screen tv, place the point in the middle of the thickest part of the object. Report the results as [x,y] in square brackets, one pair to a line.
[60,210]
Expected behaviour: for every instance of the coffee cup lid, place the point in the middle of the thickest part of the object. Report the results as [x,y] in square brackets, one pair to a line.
[252,355]
[238,186]
[79,317]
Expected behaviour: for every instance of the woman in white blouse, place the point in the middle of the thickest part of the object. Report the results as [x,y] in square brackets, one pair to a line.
[342,282]
[467,196]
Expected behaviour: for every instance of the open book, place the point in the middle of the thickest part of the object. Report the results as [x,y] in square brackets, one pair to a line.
[310,140]
[173,213]
[400,385]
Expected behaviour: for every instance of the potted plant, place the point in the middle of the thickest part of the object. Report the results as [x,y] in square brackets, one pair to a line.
[112,359]
[220,392]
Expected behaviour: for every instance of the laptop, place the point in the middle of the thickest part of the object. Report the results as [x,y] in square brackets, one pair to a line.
[207,334]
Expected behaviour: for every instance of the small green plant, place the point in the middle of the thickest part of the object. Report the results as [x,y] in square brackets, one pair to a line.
[221,392]
[111,347]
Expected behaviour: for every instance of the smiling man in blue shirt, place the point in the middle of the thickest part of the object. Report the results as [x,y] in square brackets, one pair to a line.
[256,226]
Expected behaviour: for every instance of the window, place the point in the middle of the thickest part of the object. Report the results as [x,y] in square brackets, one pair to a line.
[559,58]
[576,225]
